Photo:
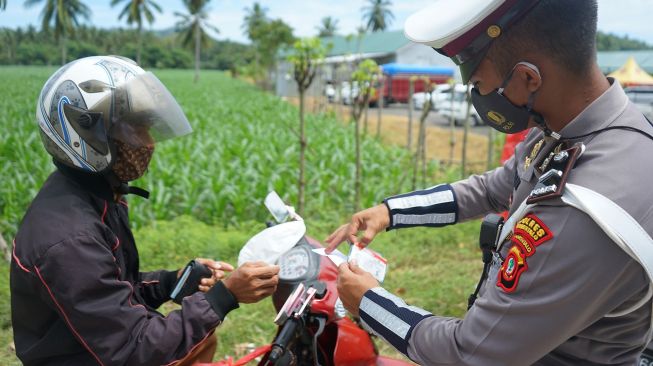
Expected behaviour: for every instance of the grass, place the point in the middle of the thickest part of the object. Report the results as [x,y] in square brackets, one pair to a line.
[435,269]
[207,189]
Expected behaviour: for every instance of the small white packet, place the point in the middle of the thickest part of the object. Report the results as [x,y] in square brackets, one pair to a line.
[370,261]
[337,257]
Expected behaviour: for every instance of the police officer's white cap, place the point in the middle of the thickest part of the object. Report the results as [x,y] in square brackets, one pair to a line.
[464,29]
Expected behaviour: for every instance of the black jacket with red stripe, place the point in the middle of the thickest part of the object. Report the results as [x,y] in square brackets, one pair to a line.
[77,296]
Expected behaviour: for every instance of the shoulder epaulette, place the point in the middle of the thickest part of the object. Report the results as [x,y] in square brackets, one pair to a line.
[555,171]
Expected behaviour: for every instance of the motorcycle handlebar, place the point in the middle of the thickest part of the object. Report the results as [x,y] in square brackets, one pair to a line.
[283,339]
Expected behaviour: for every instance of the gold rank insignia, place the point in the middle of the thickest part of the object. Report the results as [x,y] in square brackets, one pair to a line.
[533,154]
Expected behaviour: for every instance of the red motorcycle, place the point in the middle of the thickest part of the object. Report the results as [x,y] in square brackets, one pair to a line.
[313,326]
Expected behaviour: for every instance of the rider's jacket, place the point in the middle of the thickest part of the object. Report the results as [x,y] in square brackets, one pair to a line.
[77,295]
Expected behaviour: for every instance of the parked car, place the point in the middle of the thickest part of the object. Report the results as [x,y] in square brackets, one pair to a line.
[348,93]
[442,96]
[330,92]
[458,108]
[419,99]
[642,97]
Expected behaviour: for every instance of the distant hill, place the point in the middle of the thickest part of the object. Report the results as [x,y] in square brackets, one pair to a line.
[612,42]
[161,48]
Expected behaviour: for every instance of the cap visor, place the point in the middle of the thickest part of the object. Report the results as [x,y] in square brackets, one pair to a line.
[468,68]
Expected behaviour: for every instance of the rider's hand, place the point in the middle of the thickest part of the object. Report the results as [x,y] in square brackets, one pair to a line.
[252,281]
[217,269]
[353,283]
[373,220]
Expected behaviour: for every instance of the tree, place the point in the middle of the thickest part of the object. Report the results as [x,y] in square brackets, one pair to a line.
[3,4]
[135,10]
[266,36]
[193,27]
[420,151]
[306,55]
[9,42]
[64,14]
[377,15]
[611,42]
[363,77]
[254,19]
[328,27]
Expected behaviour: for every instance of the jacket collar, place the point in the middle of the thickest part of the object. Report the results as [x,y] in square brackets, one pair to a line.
[94,183]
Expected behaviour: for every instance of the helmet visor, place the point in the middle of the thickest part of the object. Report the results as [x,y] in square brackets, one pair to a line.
[143,112]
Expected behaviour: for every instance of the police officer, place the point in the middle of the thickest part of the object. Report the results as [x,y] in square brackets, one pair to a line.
[559,291]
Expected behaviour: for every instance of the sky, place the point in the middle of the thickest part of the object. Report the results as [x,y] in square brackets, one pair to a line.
[622,17]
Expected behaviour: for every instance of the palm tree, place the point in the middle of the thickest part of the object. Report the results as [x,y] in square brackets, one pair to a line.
[378,15]
[254,18]
[3,4]
[10,42]
[328,27]
[135,10]
[64,14]
[193,27]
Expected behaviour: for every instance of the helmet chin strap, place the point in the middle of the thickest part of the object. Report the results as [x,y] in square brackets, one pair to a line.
[124,188]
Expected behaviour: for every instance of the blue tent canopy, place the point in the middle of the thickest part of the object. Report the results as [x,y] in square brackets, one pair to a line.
[395,68]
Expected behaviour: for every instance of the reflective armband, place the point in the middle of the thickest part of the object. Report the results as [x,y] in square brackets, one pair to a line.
[435,206]
[390,318]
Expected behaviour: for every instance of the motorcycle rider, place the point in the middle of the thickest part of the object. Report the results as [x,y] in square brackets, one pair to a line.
[77,295]
[560,291]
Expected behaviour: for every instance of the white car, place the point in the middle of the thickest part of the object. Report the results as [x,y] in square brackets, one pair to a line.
[347,93]
[642,97]
[330,92]
[458,108]
[439,93]
[419,99]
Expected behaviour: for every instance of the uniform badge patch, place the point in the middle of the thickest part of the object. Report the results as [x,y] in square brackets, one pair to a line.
[528,234]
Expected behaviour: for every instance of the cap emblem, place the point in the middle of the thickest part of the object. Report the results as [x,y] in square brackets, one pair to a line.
[494,31]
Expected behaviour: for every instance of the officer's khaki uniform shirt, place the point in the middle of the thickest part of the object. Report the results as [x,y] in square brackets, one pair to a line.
[555,311]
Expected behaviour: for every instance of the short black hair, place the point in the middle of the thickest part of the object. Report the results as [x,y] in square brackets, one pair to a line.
[562,30]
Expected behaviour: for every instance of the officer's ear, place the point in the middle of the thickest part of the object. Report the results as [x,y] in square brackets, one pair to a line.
[530,75]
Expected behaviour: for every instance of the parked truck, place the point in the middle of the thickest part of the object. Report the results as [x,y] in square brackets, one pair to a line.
[396,80]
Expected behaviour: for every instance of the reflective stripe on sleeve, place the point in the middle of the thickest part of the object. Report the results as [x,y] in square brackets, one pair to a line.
[389,317]
[435,206]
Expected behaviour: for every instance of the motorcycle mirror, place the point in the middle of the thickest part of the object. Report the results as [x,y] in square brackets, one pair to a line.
[277,208]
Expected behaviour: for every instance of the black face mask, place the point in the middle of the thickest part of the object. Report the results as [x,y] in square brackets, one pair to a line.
[499,113]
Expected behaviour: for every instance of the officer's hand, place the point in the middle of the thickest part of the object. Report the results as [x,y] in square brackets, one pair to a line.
[252,281]
[353,283]
[373,220]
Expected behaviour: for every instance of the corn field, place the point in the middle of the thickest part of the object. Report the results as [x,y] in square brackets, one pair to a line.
[244,144]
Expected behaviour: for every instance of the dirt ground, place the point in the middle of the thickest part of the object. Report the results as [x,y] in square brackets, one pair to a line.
[394,130]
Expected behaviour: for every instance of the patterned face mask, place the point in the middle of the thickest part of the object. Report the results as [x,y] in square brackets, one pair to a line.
[131,162]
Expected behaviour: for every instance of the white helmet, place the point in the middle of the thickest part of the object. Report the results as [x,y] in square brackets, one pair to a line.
[90,104]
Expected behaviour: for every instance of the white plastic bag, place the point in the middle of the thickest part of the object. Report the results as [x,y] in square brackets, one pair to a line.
[271,243]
